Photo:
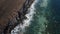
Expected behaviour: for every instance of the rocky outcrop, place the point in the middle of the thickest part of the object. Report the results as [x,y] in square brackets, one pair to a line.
[12,13]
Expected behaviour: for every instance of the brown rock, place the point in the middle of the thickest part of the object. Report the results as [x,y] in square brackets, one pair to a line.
[9,10]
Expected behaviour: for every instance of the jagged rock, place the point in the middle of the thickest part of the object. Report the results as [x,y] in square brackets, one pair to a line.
[9,16]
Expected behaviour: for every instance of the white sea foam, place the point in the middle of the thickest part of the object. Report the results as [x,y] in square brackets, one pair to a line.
[21,28]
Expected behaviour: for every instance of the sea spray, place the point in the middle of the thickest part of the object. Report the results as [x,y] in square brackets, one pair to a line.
[40,22]
[20,29]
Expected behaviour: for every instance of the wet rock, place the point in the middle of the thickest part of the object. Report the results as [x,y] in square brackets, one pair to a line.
[12,13]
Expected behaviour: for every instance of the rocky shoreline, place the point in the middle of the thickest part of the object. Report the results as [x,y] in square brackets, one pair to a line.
[12,16]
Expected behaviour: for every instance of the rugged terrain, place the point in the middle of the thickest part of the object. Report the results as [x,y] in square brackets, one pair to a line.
[11,12]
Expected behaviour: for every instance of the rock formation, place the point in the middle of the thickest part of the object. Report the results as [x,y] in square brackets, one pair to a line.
[11,13]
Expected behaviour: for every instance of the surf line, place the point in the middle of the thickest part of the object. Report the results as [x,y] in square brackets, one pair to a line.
[26,22]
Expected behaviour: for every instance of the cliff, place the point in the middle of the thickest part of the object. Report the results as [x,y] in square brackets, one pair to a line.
[11,12]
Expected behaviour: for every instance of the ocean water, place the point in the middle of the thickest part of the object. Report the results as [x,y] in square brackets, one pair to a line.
[40,22]
[36,22]
[43,17]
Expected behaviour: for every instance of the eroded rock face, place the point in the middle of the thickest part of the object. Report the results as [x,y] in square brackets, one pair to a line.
[11,13]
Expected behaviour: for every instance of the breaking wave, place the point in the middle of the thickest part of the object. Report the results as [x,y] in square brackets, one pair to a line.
[39,23]
[20,29]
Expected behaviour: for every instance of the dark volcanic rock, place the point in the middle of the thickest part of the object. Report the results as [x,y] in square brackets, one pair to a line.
[11,13]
